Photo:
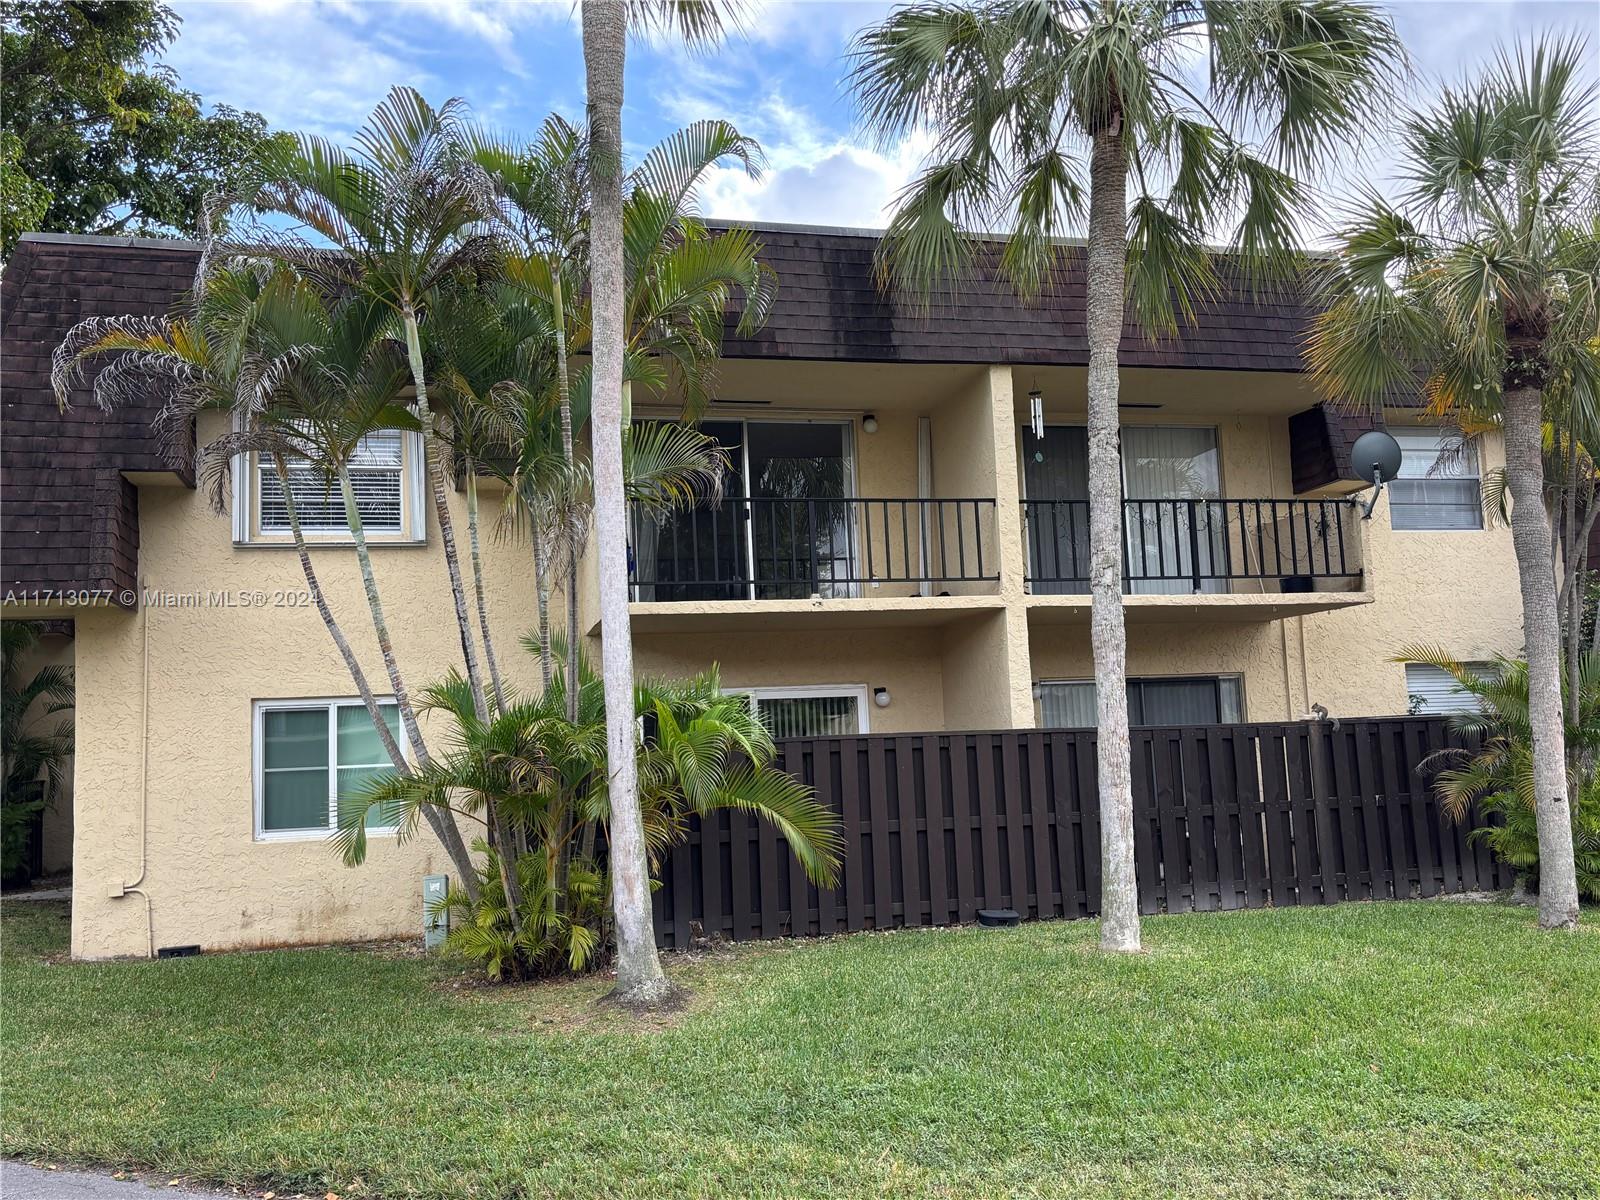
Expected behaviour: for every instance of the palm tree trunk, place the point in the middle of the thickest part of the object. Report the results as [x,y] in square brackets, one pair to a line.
[435,466]
[1530,534]
[1106,268]
[442,824]
[352,664]
[542,599]
[478,593]
[1571,560]
[640,980]
[564,397]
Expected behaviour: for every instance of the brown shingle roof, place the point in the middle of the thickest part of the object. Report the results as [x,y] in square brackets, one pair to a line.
[68,519]
[829,306]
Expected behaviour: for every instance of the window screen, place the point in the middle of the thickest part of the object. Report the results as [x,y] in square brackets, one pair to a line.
[1190,700]
[1433,692]
[377,470]
[809,716]
[1438,487]
[315,756]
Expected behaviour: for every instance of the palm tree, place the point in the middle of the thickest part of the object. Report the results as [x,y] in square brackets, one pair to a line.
[397,218]
[640,979]
[680,276]
[703,751]
[1482,280]
[543,192]
[1497,776]
[1039,109]
[305,378]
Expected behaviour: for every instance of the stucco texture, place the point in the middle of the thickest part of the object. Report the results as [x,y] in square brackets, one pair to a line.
[189,749]
[963,661]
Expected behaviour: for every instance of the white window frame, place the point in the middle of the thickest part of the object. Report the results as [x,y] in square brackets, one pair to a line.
[246,513]
[1443,438]
[819,691]
[258,747]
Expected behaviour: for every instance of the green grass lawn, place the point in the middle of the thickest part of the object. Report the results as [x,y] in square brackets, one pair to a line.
[1424,1049]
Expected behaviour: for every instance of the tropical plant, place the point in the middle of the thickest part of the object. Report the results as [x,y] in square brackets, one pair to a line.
[1484,282]
[1040,110]
[33,749]
[681,278]
[397,221]
[1498,778]
[697,751]
[305,377]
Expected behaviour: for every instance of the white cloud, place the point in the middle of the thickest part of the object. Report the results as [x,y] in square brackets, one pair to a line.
[299,65]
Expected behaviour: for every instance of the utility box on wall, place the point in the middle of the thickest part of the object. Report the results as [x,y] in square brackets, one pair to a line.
[435,921]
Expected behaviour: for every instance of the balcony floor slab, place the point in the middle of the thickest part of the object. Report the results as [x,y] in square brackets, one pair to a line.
[778,615]
[1232,608]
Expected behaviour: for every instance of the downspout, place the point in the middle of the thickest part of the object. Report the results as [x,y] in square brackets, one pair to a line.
[136,888]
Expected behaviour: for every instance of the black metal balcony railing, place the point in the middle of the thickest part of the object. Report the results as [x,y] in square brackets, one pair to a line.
[1201,543]
[781,549]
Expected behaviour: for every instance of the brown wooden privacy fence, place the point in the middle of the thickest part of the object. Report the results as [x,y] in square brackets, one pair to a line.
[940,825]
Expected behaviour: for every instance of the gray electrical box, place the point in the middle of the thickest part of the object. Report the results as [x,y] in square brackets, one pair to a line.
[435,921]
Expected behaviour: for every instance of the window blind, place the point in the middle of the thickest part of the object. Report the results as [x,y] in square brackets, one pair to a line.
[377,470]
[1196,700]
[1434,692]
[1438,487]
[809,716]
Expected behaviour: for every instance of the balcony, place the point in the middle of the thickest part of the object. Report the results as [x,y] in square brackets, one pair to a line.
[845,554]
[1231,559]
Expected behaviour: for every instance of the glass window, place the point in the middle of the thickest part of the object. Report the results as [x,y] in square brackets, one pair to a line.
[1189,700]
[1438,487]
[313,756]
[1432,692]
[826,712]
[381,471]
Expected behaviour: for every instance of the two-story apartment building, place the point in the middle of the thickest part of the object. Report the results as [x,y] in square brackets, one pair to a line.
[901,546]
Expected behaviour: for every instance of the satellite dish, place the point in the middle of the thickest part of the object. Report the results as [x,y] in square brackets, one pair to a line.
[1376,458]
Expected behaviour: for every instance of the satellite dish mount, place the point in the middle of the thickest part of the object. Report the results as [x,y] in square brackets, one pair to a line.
[1376,459]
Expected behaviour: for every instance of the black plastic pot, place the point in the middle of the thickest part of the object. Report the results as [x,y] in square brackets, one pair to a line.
[999,917]
[1294,583]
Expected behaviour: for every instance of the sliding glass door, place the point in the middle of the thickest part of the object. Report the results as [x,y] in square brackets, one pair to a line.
[801,537]
[782,530]
[1167,541]
[1056,469]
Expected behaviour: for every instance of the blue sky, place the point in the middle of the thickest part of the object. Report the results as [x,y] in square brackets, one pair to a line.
[320,65]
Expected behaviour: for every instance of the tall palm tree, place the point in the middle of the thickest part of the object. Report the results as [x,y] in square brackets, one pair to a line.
[543,192]
[1040,108]
[640,979]
[1483,281]
[304,378]
[396,218]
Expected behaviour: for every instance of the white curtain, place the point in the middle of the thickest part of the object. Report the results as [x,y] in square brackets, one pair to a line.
[1161,462]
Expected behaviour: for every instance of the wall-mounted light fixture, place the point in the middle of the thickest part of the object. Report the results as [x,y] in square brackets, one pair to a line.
[869,424]
[880,697]
[1036,419]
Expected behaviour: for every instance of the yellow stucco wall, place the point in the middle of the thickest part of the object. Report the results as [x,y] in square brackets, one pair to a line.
[207,880]
[963,661]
